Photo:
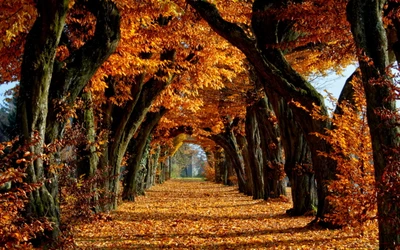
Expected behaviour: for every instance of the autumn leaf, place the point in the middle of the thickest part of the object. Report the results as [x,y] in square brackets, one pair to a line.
[203,215]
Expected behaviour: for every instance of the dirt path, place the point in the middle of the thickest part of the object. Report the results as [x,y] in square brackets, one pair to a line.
[203,215]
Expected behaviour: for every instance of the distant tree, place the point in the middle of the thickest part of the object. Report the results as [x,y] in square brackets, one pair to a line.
[182,159]
[8,119]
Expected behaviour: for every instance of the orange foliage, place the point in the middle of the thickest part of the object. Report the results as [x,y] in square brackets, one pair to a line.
[209,173]
[353,194]
[203,59]
[15,229]
[323,41]
[16,19]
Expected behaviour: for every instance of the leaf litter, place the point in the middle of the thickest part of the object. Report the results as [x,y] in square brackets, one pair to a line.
[183,214]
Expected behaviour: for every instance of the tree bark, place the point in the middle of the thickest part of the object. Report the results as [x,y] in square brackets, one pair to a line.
[43,79]
[88,158]
[229,172]
[137,148]
[71,75]
[243,146]
[232,154]
[271,147]
[298,165]
[146,164]
[161,167]
[255,152]
[87,165]
[153,170]
[218,157]
[169,167]
[36,75]
[369,35]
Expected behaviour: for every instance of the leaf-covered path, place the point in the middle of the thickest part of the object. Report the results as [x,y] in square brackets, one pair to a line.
[202,215]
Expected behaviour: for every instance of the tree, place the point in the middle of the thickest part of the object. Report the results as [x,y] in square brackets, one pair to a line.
[140,77]
[227,140]
[264,143]
[137,147]
[266,54]
[366,19]
[7,119]
[46,74]
[36,74]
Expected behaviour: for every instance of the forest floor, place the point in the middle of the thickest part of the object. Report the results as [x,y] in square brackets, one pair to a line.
[183,214]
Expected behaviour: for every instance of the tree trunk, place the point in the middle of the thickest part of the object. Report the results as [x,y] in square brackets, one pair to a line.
[298,165]
[161,178]
[232,154]
[242,143]
[369,34]
[304,190]
[43,79]
[142,173]
[72,75]
[271,146]
[225,169]
[88,161]
[218,157]
[229,172]
[153,170]
[255,152]
[147,180]
[36,74]
[89,158]
[167,167]
[137,149]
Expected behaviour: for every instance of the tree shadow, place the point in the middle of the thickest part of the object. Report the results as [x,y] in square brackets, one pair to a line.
[174,216]
[211,244]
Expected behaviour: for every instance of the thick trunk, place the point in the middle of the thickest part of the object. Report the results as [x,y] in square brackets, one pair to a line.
[154,168]
[218,166]
[36,75]
[104,165]
[170,167]
[87,165]
[369,34]
[147,180]
[232,154]
[145,165]
[255,152]
[134,165]
[150,179]
[271,147]
[242,142]
[137,149]
[225,169]
[229,172]
[304,190]
[167,168]
[62,81]
[161,178]
[71,75]
[88,159]
[298,166]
